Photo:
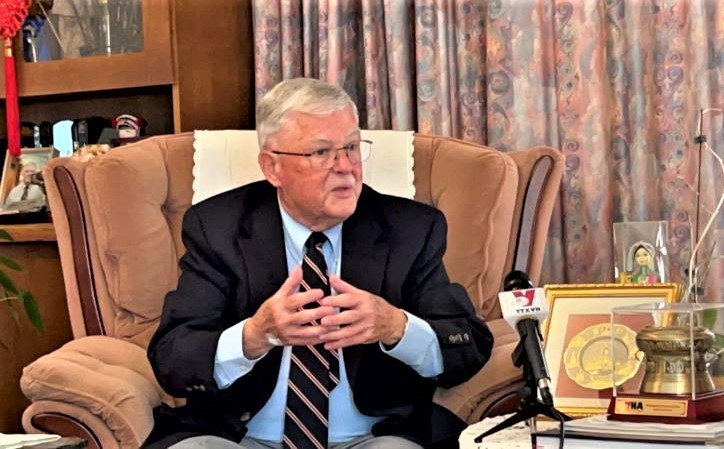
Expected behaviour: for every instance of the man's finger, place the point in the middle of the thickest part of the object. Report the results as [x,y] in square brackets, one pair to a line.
[305,316]
[342,338]
[292,283]
[342,318]
[343,301]
[341,286]
[300,299]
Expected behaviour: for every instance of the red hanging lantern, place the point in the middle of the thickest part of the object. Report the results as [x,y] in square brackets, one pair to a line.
[12,15]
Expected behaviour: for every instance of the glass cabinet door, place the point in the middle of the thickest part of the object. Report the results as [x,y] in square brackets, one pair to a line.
[64,29]
[72,46]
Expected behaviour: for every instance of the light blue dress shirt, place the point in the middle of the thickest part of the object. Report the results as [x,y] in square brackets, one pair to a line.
[418,348]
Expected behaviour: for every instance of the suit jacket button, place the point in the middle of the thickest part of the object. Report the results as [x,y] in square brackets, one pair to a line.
[246,416]
[451,338]
[202,388]
[466,337]
[189,389]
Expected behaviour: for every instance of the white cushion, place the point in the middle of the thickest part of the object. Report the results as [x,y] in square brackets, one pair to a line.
[227,159]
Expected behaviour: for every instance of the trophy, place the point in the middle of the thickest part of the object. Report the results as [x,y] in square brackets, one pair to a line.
[678,346]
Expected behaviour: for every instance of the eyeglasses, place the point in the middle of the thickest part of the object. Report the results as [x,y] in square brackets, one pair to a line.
[323,158]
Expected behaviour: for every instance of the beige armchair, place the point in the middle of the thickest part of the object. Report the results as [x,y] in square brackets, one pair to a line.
[118,219]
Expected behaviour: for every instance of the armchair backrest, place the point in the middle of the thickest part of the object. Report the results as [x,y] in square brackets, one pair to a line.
[498,207]
[118,219]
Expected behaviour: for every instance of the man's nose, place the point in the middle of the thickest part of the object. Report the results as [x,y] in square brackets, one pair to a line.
[342,160]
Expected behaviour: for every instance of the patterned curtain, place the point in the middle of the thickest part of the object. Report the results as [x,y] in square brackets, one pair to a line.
[616,85]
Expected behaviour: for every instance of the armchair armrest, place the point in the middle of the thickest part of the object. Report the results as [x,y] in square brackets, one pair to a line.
[493,390]
[96,376]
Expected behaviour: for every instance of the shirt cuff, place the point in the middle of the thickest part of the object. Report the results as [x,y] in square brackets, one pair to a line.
[229,362]
[418,347]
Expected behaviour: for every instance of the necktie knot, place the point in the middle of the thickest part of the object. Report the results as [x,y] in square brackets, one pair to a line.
[316,240]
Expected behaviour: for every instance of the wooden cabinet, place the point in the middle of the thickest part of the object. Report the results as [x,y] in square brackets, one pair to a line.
[35,249]
[195,72]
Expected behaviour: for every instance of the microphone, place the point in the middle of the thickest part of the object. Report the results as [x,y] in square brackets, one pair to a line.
[523,308]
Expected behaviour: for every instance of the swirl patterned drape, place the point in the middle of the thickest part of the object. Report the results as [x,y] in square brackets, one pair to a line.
[616,85]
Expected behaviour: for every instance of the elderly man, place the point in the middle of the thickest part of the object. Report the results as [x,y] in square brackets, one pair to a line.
[312,311]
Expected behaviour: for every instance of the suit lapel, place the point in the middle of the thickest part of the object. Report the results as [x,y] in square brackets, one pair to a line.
[364,259]
[261,243]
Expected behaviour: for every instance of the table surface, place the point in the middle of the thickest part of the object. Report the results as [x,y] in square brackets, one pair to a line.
[62,443]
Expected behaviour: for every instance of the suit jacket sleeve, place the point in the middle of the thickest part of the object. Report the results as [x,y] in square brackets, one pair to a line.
[465,340]
[194,315]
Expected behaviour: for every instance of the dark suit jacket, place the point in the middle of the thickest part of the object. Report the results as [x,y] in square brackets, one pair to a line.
[236,259]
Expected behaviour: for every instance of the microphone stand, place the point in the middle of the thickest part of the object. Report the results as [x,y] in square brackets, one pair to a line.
[530,405]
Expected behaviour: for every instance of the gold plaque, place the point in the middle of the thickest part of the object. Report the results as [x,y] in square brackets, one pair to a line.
[588,360]
[646,406]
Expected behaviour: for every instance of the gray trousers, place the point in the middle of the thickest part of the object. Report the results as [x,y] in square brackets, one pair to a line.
[366,442]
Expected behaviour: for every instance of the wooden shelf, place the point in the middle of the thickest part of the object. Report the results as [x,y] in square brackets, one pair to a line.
[34,232]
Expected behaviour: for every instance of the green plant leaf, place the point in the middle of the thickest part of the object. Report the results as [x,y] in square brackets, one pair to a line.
[7,283]
[10,263]
[32,310]
[13,312]
[4,235]
[719,340]
[709,317]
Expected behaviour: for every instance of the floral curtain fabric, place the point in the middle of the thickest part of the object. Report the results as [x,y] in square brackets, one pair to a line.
[617,85]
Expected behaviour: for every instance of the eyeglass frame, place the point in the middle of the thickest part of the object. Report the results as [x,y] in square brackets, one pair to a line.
[331,151]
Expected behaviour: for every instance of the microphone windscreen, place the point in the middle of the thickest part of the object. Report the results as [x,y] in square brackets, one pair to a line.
[516,280]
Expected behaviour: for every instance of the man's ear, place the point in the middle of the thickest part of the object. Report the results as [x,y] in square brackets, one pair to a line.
[270,167]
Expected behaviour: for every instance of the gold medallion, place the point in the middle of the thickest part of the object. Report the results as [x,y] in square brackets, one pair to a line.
[588,357]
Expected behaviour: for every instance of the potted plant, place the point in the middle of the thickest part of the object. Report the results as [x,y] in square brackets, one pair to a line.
[11,294]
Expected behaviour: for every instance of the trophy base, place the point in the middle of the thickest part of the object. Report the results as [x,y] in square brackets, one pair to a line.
[666,408]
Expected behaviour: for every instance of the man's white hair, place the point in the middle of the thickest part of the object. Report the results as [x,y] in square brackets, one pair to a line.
[306,95]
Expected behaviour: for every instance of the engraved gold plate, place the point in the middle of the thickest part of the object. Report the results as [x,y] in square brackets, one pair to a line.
[587,358]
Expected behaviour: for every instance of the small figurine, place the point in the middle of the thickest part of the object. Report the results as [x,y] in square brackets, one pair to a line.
[641,259]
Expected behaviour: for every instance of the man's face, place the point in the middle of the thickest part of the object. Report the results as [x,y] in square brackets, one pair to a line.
[27,172]
[317,198]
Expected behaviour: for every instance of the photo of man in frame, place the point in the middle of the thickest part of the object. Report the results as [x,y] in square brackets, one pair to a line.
[29,193]
[22,182]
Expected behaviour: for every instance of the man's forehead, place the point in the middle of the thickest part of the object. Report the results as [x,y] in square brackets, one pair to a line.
[319,127]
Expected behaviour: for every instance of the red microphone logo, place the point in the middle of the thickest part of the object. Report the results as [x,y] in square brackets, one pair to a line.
[524,298]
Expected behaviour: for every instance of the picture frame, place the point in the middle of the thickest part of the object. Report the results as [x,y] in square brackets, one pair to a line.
[581,379]
[11,178]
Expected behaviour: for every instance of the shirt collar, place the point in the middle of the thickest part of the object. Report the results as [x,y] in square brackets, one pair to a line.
[298,233]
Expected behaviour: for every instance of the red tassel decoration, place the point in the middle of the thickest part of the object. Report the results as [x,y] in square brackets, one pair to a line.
[12,15]
[12,112]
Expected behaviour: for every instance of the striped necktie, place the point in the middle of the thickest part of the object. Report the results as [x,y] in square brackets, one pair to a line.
[314,371]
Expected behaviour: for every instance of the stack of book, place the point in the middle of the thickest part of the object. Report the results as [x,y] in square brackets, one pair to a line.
[598,432]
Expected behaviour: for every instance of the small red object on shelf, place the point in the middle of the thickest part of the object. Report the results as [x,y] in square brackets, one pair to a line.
[12,15]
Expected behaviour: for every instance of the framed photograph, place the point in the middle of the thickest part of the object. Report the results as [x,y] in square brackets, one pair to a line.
[23,188]
[577,339]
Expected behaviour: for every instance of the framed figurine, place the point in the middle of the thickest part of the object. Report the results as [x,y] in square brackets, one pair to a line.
[640,252]
[578,335]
